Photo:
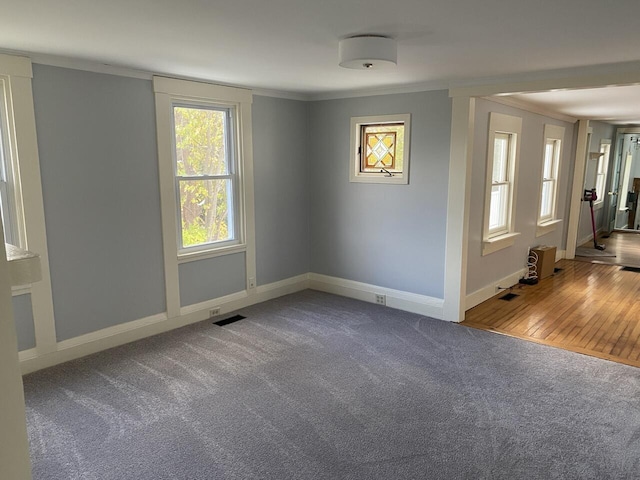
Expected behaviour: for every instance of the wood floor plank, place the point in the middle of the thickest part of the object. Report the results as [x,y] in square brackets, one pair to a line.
[588,308]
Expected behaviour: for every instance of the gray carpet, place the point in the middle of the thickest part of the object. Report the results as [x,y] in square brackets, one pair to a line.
[314,386]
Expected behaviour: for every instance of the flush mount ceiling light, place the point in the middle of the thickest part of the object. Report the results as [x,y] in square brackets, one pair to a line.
[367,52]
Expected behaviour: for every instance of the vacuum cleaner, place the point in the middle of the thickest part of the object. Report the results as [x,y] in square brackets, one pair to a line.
[590,196]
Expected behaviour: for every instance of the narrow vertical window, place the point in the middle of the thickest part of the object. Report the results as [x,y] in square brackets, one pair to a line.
[10,197]
[500,185]
[205,175]
[601,171]
[551,156]
[549,184]
[502,166]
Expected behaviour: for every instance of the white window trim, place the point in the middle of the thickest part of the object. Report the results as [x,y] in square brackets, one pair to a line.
[599,203]
[167,92]
[355,175]
[13,192]
[16,73]
[196,252]
[548,225]
[500,123]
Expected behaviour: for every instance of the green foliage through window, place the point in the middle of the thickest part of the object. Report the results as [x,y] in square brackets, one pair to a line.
[204,175]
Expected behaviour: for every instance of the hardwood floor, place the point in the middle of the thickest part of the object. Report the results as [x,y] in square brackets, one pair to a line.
[625,246]
[587,308]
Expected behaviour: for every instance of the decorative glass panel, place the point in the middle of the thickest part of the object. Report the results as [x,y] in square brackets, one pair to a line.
[201,141]
[206,211]
[383,146]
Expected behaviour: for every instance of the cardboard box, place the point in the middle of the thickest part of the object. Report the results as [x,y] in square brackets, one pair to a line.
[546,261]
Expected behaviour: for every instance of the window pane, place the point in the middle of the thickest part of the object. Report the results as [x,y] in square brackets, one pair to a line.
[5,203]
[201,141]
[3,209]
[600,187]
[499,207]
[206,210]
[500,158]
[547,199]
[383,147]
[549,154]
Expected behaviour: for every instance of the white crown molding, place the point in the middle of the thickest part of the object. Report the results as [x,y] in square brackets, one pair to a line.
[387,90]
[266,92]
[109,69]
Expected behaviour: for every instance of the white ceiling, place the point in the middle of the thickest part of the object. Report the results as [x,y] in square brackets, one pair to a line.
[291,45]
[617,105]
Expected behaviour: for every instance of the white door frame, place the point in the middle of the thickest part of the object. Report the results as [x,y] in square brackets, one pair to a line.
[460,171]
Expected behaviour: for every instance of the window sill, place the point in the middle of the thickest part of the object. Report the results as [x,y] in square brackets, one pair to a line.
[547,227]
[21,290]
[397,179]
[494,244]
[24,266]
[204,254]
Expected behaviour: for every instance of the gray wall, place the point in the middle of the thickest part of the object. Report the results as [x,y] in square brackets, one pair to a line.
[97,144]
[281,166]
[23,316]
[387,235]
[211,278]
[483,271]
[98,155]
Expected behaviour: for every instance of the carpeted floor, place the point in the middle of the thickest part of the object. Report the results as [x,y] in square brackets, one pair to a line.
[315,386]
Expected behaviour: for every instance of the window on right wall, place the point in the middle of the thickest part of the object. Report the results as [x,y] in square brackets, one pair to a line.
[503,153]
[601,172]
[552,154]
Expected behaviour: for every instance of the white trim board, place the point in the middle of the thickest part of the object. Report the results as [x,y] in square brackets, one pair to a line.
[117,335]
[491,290]
[94,342]
[410,302]
[530,107]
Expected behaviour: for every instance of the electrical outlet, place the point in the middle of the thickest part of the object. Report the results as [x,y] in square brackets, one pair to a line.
[252,282]
[214,312]
[381,299]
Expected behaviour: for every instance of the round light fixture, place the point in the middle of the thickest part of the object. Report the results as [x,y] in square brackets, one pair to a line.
[367,52]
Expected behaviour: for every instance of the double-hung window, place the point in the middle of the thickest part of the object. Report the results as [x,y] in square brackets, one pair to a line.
[601,171]
[204,158]
[501,184]
[10,195]
[552,153]
[502,166]
[206,180]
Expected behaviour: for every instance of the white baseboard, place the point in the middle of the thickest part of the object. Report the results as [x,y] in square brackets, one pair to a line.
[94,342]
[410,302]
[485,293]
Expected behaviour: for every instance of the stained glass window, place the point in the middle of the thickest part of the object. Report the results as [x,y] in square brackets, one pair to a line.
[383,148]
